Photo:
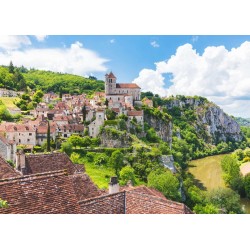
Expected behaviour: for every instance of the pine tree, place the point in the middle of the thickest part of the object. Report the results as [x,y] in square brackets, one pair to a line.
[11,68]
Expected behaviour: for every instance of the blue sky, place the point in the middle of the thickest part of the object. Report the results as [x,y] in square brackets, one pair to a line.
[209,65]
[127,55]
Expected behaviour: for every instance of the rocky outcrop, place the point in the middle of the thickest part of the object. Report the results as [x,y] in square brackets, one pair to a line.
[168,162]
[211,120]
[162,127]
[112,138]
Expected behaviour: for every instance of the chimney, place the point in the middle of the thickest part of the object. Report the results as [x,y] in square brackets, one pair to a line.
[20,161]
[113,185]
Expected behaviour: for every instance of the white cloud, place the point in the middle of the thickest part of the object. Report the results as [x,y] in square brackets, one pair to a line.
[155,44]
[112,41]
[221,75]
[41,38]
[13,42]
[75,60]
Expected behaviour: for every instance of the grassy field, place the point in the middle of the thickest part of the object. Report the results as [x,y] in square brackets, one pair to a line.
[208,172]
[8,101]
[99,175]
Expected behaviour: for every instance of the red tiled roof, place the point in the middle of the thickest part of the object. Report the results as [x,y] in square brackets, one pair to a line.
[127,86]
[111,75]
[47,193]
[135,113]
[12,127]
[6,171]
[138,200]
[41,163]
[83,186]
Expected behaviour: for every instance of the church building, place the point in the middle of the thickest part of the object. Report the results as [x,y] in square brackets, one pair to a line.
[121,92]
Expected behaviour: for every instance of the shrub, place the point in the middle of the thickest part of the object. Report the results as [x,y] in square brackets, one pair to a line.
[127,173]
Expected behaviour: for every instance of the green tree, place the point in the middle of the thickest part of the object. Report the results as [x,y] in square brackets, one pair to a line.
[206,209]
[37,97]
[231,173]
[67,148]
[116,161]
[165,182]
[127,174]
[75,140]
[11,68]
[84,112]
[247,185]
[74,157]
[226,200]
[48,137]
[110,114]
[86,141]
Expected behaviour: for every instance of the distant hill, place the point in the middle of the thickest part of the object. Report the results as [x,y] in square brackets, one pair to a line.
[243,121]
[19,78]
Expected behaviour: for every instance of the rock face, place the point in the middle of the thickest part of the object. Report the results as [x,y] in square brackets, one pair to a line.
[162,128]
[217,125]
[168,162]
[115,139]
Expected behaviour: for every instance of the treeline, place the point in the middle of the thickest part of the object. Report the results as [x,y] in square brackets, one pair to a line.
[22,79]
[12,78]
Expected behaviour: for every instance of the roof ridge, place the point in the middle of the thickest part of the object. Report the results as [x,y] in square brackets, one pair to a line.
[50,173]
[100,197]
[157,197]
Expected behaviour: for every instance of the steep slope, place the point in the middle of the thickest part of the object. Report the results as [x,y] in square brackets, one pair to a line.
[210,122]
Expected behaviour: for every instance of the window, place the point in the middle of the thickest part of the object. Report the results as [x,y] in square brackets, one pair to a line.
[65,135]
[30,134]
[19,140]
[28,139]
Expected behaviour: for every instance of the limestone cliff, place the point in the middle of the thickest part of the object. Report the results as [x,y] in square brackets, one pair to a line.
[160,122]
[209,120]
[113,138]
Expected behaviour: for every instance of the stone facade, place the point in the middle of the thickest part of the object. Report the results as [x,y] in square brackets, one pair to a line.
[117,91]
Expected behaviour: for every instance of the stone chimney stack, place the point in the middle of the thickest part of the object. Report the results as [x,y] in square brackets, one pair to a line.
[113,185]
[20,161]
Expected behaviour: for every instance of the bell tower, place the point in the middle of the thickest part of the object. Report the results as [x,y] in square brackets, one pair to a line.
[110,84]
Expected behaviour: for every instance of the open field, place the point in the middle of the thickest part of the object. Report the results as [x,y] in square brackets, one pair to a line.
[8,101]
[208,171]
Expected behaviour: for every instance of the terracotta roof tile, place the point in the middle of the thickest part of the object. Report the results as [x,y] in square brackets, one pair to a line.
[6,171]
[111,75]
[135,113]
[40,163]
[83,186]
[48,193]
[127,86]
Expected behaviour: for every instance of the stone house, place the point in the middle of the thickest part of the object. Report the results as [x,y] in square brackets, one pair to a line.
[7,149]
[66,130]
[24,134]
[138,115]
[94,127]
[41,132]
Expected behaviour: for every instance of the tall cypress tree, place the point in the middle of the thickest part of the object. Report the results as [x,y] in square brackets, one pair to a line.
[48,137]
[11,68]
[84,112]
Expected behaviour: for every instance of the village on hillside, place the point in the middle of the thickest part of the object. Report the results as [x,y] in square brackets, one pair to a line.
[51,182]
[67,115]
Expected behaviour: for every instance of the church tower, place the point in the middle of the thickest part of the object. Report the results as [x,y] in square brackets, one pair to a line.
[110,84]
